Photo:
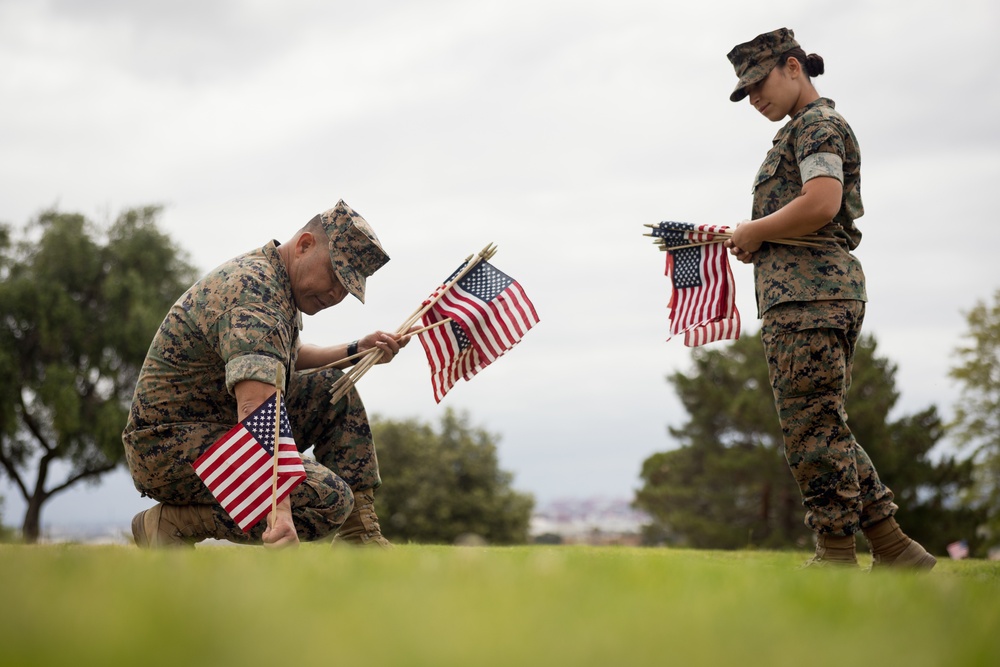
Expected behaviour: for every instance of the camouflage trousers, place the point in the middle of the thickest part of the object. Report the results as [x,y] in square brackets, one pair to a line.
[343,460]
[810,351]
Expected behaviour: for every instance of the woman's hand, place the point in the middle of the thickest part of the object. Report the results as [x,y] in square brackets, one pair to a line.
[742,245]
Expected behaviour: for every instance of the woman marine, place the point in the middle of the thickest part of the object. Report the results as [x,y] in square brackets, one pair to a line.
[812,300]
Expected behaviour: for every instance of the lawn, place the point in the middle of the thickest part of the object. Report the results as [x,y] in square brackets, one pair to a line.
[430,605]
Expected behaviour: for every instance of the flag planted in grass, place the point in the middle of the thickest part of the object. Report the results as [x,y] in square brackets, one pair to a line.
[489,313]
[703,301]
[238,468]
[958,550]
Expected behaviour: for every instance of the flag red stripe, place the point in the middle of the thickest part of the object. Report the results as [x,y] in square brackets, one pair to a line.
[707,313]
[492,327]
[238,470]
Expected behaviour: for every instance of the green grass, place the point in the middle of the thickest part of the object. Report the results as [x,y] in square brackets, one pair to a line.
[421,605]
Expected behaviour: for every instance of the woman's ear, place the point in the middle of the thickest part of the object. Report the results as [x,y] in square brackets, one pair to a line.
[793,67]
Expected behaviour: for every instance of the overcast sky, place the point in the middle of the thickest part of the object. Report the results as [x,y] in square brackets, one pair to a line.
[552,128]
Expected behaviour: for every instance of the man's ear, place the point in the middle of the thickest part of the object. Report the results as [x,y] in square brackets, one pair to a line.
[304,243]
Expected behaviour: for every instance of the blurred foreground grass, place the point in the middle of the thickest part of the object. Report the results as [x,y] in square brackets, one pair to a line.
[423,605]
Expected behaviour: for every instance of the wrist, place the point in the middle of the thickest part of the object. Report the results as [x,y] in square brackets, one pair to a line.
[352,348]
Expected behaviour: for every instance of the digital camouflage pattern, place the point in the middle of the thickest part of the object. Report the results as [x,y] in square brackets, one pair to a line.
[755,59]
[812,304]
[354,249]
[810,351]
[240,323]
[790,273]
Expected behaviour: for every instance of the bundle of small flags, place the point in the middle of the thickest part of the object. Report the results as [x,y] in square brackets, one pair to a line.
[484,313]
[470,321]
[703,301]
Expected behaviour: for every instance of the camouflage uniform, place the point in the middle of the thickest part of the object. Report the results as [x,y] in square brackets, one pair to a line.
[812,304]
[240,323]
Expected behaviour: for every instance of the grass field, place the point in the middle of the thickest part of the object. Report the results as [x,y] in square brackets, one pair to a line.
[424,605]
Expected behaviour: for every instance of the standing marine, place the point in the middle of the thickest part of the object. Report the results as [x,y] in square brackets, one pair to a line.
[812,300]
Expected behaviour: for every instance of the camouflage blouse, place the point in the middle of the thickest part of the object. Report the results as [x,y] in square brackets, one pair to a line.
[237,323]
[817,141]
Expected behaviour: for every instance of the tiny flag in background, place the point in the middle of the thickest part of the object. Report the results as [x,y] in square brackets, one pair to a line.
[489,313]
[703,303]
[958,550]
[237,469]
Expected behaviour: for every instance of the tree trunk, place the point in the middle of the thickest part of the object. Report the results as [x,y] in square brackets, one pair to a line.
[30,529]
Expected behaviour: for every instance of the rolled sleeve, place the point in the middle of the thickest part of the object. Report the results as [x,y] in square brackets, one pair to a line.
[258,367]
[822,164]
[253,343]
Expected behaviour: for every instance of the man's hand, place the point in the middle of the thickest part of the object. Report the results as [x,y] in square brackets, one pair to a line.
[280,531]
[390,344]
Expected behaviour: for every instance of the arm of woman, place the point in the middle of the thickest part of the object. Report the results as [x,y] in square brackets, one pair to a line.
[810,211]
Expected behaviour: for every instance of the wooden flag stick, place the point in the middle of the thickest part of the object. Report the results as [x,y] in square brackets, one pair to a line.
[420,309]
[430,326]
[368,352]
[809,241]
[484,254]
[470,262]
[277,435]
[343,384]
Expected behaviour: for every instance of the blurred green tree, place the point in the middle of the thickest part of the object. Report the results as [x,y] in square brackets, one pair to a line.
[78,307]
[728,485]
[977,415]
[446,483]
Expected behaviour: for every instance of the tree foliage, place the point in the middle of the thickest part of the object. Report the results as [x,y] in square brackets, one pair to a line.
[728,484]
[977,415]
[446,483]
[78,307]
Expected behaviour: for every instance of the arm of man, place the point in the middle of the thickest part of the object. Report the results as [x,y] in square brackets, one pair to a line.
[314,356]
[280,531]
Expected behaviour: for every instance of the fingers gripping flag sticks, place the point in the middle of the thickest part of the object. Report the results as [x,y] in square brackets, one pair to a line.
[469,322]
[489,313]
[703,302]
[237,469]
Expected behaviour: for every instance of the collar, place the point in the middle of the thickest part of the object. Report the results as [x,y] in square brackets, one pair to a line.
[819,102]
[270,251]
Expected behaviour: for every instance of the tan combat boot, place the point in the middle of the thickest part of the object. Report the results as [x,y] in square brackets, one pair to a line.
[892,548]
[173,525]
[361,526]
[834,550]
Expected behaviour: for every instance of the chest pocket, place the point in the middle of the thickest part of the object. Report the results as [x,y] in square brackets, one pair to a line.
[767,170]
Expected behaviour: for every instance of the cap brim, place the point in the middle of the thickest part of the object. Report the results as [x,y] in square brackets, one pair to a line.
[353,280]
[756,74]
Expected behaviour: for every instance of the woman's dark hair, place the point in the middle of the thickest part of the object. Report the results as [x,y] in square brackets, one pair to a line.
[812,64]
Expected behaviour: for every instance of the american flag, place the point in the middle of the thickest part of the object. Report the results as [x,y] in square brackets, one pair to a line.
[958,550]
[238,468]
[703,302]
[489,313]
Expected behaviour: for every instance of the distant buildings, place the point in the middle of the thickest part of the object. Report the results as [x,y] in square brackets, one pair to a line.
[598,521]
